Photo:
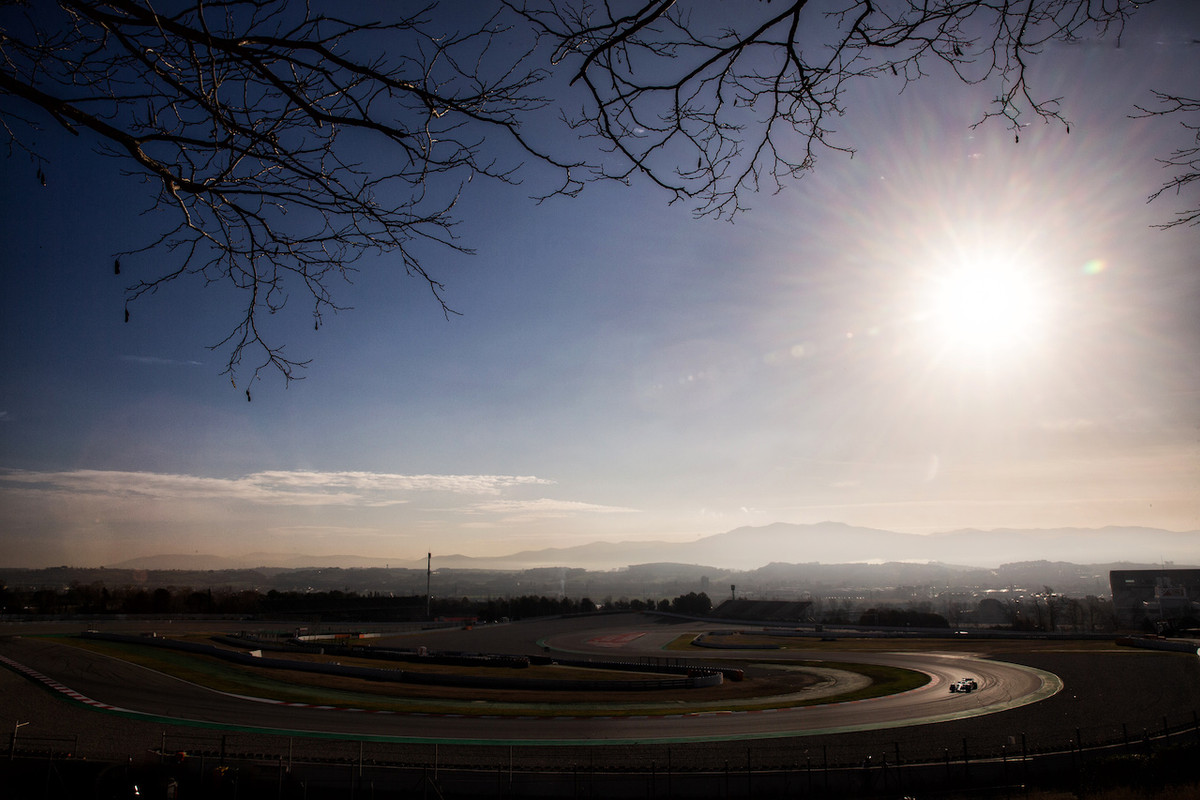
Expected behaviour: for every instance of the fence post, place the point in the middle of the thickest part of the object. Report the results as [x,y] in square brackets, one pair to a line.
[825,756]
[899,774]
[1024,760]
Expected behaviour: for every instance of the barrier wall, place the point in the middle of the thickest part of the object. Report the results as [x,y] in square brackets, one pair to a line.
[713,678]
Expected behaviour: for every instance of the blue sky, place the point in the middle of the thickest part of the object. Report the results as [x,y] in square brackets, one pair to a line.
[621,371]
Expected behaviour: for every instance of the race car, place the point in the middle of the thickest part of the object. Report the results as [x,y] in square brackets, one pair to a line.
[966,685]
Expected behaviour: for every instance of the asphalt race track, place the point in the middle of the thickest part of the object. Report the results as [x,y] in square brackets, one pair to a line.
[131,690]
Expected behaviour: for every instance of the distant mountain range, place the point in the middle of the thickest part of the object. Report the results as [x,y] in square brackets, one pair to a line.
[750,548]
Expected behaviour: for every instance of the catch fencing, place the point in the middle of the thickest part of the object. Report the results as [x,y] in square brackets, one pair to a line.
[839,766]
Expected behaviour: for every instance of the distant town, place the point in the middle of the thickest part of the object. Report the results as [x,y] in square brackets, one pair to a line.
[1027,596]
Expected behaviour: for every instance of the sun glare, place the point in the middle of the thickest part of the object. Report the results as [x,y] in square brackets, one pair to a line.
[986,307]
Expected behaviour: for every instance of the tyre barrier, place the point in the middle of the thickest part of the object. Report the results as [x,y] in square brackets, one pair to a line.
[685,668]
[435,657]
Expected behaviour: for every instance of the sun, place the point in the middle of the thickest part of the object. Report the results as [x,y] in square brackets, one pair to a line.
[988,306]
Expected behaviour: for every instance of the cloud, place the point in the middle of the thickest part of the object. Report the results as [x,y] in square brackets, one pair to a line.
[544,508]
[385,482]
[155,361]
[298,488]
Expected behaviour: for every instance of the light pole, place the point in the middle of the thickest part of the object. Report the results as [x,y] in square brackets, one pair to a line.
[12,746]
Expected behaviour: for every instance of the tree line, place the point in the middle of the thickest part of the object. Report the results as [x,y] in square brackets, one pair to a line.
[98,599]
[1042,611]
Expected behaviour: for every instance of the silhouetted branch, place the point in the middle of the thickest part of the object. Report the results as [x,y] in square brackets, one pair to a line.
[1186,160]
[745,91]
[281,149]
[282,144]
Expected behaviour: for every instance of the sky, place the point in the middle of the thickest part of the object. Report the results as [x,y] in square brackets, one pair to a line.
[620,371]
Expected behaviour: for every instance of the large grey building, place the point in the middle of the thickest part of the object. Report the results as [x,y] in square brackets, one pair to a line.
[1162,600]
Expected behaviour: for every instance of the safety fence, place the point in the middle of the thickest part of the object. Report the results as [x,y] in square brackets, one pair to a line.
[861,766]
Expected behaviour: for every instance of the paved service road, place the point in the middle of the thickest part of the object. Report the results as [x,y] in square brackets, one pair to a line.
[119,686]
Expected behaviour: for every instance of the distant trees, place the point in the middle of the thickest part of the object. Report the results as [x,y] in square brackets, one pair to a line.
[281,142]
[1048,611]
[528,606]
[1044,611]
[694,603]
[626,604]
[328,605]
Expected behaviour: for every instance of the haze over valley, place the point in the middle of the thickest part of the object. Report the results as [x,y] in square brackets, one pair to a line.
[775,561]
[750,548]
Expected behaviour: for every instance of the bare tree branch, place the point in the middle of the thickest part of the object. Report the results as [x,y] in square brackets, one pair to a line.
[282,152]
[1185,161]
[281,144]
[746,91]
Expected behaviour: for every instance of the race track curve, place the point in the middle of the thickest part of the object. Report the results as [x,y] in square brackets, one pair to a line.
[120,687]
